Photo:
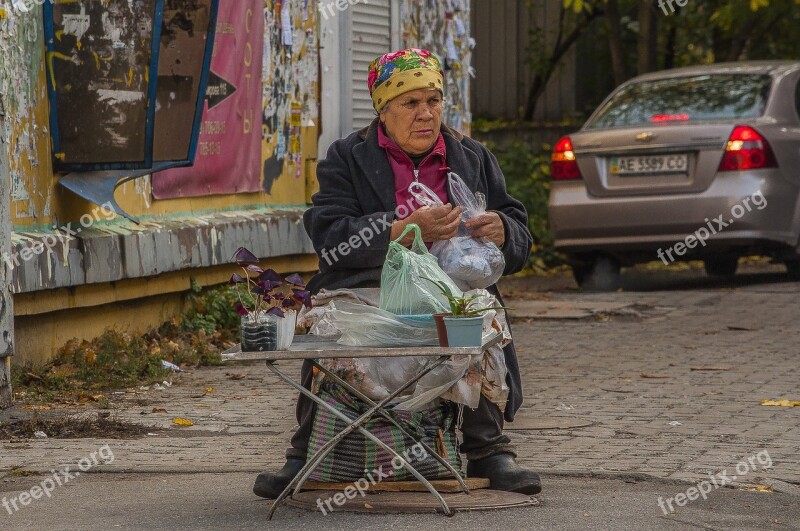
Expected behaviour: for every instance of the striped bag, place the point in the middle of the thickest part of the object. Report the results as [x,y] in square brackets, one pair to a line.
[356,457]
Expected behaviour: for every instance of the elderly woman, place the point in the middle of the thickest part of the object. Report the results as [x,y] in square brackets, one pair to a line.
[364,190]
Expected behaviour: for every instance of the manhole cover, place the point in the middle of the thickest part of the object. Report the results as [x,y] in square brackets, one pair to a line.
[410,502]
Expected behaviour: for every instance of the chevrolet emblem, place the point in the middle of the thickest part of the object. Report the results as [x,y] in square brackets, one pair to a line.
[645,137]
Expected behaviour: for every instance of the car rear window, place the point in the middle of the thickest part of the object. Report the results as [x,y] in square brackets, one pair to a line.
[684,99]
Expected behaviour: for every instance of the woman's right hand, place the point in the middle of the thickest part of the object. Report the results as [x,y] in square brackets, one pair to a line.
[436,223]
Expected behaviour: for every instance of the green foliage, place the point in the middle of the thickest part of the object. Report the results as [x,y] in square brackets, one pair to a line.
[527,173]
[211,311]
[116,360]
[459,305]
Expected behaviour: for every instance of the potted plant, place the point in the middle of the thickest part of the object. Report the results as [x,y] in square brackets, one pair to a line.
[267,304]
[463,326]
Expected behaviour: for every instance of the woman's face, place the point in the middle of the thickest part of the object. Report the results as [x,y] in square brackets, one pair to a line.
[413,120]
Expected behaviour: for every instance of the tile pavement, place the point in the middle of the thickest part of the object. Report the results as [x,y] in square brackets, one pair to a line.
[671,390]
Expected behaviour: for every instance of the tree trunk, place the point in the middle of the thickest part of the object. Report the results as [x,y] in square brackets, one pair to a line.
[648,36]
[560,48]
[739,42]
[669,52]
[614,26]
[6,302]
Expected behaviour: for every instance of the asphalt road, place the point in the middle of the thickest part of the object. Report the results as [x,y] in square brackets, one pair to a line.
[221,501]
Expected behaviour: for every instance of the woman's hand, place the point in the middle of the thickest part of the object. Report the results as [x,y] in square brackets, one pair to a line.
[436,223]
[489,226]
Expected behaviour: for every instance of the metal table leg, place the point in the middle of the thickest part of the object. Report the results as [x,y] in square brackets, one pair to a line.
[393,421]
[353,425]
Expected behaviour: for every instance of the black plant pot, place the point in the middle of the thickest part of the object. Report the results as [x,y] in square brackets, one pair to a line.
[267,333]
[259,336]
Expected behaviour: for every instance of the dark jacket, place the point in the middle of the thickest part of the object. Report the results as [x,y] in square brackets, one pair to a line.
[357,196]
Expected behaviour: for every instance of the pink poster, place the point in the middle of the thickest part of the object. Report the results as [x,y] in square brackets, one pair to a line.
[228,156]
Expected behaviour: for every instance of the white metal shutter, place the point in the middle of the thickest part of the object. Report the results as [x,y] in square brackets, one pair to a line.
[371,37]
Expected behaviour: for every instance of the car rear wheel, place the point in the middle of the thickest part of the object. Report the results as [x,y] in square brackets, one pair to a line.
[722,266]
[793,268]
[600,273]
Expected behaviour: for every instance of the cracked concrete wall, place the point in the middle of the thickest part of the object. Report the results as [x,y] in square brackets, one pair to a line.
[6,301]
[8,113]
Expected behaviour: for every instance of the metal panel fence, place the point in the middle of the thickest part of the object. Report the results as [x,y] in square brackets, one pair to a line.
[502,30]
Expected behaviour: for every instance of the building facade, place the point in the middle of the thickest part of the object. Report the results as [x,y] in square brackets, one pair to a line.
[288,77]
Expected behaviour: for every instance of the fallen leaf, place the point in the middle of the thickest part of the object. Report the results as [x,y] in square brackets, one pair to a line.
[159,410]
[235,375]
[36,408]
[711,368]
[781,403]
[763,488]
[210,389]
[654,376]
[368,506]
[182,422]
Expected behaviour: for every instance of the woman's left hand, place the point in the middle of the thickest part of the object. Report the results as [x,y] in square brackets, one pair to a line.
[489,226]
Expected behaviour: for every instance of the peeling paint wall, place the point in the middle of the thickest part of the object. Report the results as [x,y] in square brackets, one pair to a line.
[443,26]
[6,301]
[289,140]
[22,82]
[8,103]
[290,95]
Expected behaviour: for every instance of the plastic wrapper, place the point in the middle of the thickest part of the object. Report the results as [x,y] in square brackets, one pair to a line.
[405,279]
[461,379]
[367,326]
[470,262]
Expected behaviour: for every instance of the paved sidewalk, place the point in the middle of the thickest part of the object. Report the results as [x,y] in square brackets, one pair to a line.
[663,384]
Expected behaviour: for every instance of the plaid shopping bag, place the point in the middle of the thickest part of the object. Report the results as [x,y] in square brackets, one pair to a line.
[357,457]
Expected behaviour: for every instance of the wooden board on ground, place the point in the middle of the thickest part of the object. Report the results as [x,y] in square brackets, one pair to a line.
[412,502]
[442,485]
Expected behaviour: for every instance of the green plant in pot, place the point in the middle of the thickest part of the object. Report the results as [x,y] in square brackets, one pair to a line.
[267,304]
[463,326]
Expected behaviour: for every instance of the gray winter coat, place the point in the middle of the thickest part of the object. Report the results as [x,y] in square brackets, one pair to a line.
[357,196]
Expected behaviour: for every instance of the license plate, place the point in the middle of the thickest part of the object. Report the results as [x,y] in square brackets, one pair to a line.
[649,165]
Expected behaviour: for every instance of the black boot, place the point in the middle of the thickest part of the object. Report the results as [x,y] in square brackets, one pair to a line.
[270,485]
[505,474]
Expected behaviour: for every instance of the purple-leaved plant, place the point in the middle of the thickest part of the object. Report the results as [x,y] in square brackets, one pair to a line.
[266,293]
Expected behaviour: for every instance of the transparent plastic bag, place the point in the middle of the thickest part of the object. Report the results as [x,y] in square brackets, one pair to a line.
[470,262]
[405,279]
[366,326]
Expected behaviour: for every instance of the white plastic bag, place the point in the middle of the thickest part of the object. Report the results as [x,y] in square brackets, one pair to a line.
[470,262]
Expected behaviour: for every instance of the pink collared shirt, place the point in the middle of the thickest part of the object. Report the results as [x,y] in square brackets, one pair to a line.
[432,172]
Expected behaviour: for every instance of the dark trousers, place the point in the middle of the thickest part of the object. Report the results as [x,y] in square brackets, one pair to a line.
[482,427]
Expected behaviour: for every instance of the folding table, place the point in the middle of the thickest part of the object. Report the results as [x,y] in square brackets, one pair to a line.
[315,348]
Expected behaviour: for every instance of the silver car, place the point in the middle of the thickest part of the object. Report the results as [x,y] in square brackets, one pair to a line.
[686,164]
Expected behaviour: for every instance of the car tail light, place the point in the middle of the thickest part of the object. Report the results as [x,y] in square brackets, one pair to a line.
[659,118]
[562,162]
[747,150]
